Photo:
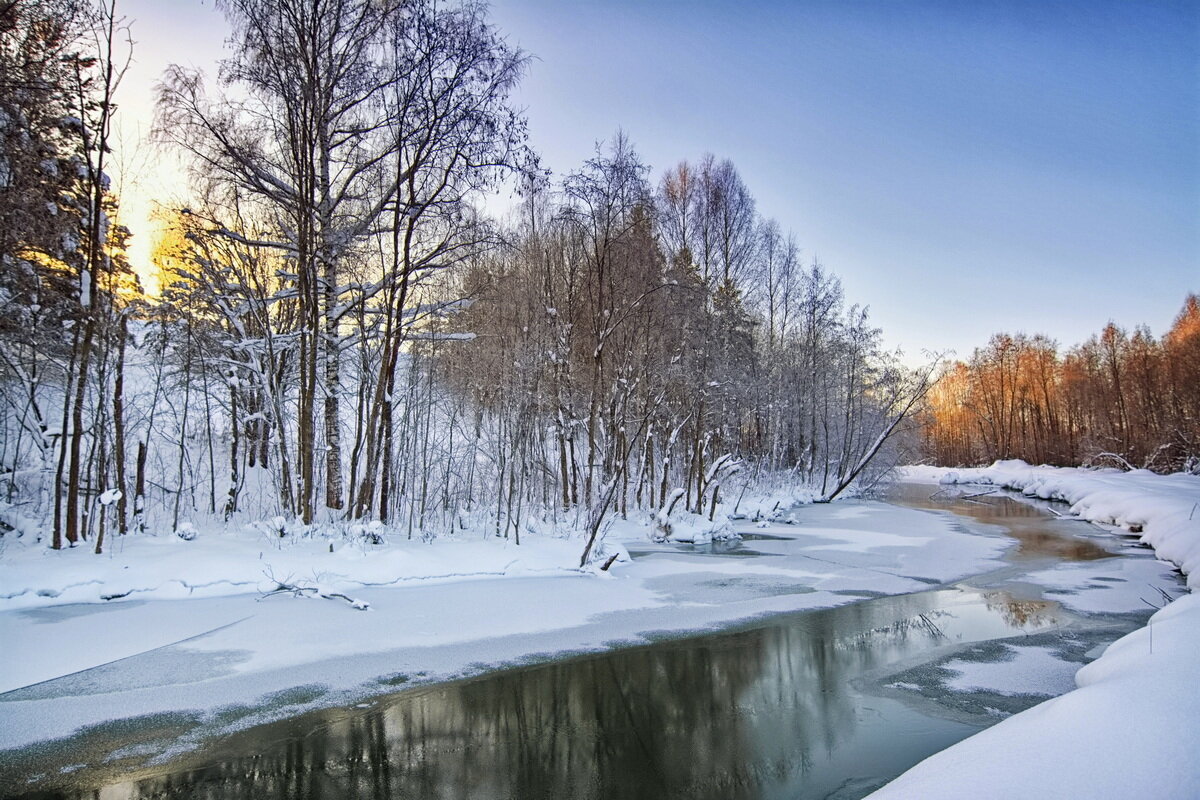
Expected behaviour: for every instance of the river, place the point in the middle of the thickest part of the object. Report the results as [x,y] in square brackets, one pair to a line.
[829,703]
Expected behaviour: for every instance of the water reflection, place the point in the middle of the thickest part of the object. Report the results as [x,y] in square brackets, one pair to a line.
[768,712]
[1036,535]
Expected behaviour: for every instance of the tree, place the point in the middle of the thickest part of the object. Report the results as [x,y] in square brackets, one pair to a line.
[60,247]
[369,125]
[1116,399]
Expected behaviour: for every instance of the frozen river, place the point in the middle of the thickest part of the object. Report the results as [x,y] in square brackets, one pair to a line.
[822,703]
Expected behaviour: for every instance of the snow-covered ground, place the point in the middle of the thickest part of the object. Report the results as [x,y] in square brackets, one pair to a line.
[190,632]
[1131,728]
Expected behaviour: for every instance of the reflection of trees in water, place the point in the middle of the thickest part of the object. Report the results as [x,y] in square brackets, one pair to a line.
[1039,543]
[1026,521]
[1021,613]
[717,720]
[972,500]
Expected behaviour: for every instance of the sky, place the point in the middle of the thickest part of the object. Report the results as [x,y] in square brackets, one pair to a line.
[965,167]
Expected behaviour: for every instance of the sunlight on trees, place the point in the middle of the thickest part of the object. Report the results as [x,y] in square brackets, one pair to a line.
[1115,400]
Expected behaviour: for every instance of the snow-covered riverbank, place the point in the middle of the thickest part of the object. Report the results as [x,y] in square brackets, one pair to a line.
[336,560]
[1130,729]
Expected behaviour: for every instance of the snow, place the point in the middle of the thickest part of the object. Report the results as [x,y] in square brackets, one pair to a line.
[1112,586]
[190,629]
[1030,670]
[438,336]
[1130,728]
[252,559]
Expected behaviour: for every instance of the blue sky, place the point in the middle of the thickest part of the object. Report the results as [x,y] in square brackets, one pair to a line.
[965,167]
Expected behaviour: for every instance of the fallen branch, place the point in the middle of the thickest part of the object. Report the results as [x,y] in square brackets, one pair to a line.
[360,605]
[300,590]
[1115,458]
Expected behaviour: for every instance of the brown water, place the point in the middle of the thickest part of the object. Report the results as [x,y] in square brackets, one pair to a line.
[1029,522]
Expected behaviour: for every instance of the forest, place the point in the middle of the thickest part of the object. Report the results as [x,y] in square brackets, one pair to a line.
[1116,400]
[349,334]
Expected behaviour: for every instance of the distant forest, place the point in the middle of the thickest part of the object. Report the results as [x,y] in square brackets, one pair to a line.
[1118,400]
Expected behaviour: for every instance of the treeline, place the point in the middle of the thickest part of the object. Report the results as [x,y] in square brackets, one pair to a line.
[636,344]
[1119,399]
[344,337]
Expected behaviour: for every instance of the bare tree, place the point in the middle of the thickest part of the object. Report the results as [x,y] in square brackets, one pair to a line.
[368,125]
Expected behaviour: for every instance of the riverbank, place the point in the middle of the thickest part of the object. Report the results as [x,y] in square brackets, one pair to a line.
[1130,729]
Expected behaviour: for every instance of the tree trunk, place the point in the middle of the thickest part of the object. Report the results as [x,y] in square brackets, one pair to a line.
[119,426]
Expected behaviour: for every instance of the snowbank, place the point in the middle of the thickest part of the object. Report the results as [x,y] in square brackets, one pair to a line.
[257,557]
[1130,729]
[245,561]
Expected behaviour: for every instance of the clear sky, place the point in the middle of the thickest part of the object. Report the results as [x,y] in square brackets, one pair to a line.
[965,167]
